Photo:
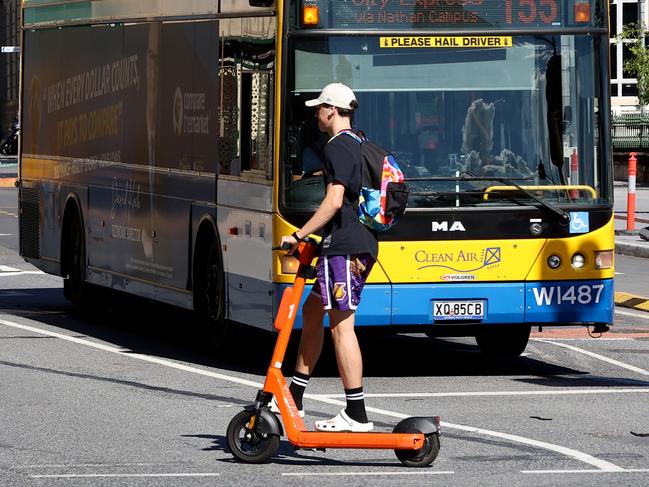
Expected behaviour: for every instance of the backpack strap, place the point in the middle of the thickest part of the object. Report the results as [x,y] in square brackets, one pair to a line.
[351,133]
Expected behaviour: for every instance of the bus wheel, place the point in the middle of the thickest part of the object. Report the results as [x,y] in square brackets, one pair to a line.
[503,341]
[212,300]
[75,288]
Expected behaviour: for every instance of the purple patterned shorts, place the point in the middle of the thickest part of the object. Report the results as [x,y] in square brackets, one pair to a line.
[341,279]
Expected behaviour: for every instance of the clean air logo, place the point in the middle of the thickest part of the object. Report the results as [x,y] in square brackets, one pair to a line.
[444,227]
[463,261]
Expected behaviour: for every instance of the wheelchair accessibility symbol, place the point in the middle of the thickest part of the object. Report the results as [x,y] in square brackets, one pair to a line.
[579,222]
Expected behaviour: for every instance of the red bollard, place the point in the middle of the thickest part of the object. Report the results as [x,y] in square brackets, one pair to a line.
[630,205]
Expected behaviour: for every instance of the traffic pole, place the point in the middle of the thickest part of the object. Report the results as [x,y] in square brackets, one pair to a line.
[630,204]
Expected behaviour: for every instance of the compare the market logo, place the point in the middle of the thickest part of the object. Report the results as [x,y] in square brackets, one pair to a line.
[461,261]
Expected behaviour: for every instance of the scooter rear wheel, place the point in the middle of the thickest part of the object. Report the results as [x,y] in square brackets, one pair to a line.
[248,445]
[422,457]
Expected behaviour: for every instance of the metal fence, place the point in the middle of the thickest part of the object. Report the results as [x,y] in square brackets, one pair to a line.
[630,131]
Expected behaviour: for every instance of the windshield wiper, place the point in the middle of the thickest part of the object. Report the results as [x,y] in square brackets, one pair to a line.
[562,214]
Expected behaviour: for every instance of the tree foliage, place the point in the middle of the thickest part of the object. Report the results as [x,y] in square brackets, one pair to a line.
[633,36]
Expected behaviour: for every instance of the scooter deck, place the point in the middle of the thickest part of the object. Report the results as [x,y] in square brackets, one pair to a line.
[379,440]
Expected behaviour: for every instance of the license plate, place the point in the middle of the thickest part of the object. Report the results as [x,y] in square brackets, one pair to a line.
[458,310]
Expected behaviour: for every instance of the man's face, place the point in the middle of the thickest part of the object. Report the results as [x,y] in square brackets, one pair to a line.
[324,114]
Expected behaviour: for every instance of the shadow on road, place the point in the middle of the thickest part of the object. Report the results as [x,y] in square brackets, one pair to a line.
[162,331]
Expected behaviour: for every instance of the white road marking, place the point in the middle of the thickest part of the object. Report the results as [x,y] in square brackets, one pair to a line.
[559,392]
[6,234]
[6,268]
[122,475]
[19,273]
[575,454]
[357,474]
[626,470]
[597,356]
[639,314]
[84,465]
[619,273]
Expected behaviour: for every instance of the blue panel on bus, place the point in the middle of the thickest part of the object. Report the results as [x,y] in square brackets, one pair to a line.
[412,304]
[374,308]
[569,301]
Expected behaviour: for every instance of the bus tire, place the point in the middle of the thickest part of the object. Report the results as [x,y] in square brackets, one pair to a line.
[503,341]
[75,288]
[211,298]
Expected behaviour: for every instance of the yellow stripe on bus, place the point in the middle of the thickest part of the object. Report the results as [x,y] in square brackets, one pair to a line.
[446,41]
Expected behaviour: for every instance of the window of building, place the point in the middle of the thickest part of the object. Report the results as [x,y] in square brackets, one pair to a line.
[622,12]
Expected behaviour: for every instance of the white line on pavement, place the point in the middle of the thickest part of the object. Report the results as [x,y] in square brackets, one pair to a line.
[575,454]
[6,268]
[595,355]
[559,392]
[639,314]
[100,475]
[19,273]
[356,474]
[626,470]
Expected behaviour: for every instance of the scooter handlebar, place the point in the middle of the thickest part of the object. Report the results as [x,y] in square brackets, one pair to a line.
[284,246]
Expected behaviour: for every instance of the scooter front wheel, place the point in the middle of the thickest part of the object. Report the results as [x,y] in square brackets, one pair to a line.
[422,457]
[248,445]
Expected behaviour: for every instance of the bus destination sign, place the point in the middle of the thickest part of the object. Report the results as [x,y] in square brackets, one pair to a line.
[448,14]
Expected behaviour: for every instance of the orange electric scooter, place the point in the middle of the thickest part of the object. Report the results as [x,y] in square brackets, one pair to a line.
[253,434]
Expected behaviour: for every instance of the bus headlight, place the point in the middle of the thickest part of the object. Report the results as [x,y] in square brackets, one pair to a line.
[604,259]
[554,261]
[578,261]
[289,264]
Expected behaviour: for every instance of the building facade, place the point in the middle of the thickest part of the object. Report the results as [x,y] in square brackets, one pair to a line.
[624,87]
[9,63]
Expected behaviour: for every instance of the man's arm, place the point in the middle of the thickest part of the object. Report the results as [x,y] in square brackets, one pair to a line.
[332,202]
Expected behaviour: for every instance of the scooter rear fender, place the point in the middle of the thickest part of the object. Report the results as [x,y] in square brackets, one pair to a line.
[418,424]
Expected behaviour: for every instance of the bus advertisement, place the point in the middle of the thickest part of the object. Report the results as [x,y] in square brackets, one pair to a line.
[167,148]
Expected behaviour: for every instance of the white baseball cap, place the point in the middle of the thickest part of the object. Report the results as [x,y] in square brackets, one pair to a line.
[334,94]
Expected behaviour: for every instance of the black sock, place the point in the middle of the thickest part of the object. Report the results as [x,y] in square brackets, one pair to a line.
[298,384]
[356,404]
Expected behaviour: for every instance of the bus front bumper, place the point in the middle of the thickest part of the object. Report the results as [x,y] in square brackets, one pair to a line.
[550,303]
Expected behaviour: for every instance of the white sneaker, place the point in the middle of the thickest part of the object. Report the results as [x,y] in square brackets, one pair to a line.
[275,408]
[342,422]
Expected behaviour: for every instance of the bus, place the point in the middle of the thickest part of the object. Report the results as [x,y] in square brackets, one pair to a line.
[166,149]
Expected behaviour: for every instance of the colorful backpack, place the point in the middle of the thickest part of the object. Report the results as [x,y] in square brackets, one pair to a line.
[383,197]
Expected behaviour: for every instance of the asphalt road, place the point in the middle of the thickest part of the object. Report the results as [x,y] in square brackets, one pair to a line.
[132,396]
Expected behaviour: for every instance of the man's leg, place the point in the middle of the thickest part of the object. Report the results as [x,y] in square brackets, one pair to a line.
[350,362]
[312,335]
[348,353]
[310,347]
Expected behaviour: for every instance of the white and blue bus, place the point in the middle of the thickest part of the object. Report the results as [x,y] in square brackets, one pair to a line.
[166,149]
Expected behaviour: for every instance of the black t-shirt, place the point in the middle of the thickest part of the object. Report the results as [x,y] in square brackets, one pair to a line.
[344,234]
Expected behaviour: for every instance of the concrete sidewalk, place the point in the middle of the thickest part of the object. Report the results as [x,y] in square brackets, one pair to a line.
[631,243]
[8,171]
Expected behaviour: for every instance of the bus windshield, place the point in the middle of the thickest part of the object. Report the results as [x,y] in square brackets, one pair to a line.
[470,126]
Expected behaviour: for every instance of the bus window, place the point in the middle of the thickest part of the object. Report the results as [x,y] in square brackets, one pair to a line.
[247,55]
[533,107]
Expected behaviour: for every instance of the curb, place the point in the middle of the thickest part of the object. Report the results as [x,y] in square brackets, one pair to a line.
[633,250]
[632,301]
[7,182]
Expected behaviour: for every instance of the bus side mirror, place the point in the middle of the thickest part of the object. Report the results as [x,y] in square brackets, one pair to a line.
[261,3]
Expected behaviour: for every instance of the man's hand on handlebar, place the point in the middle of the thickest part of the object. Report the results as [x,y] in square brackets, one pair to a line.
[288,242]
